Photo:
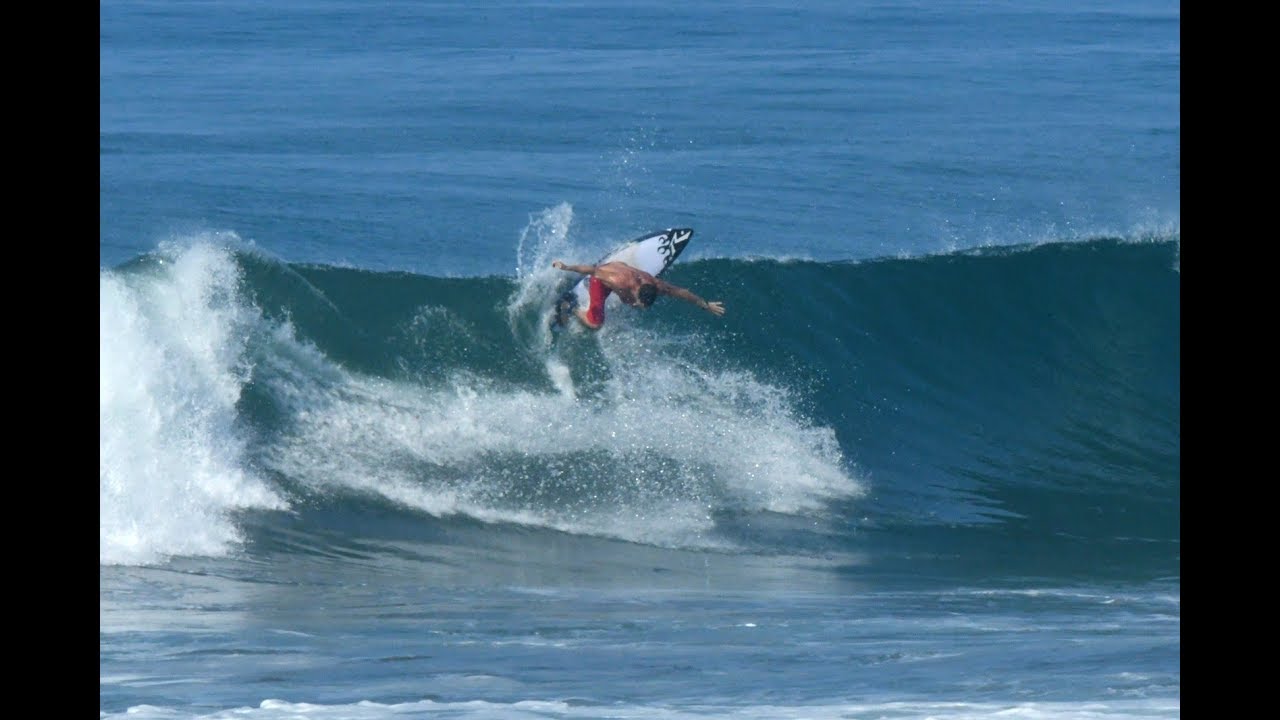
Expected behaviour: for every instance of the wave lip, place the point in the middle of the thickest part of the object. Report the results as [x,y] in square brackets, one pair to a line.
[172,458]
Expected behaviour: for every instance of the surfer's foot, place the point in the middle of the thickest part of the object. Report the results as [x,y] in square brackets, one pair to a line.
[563,308]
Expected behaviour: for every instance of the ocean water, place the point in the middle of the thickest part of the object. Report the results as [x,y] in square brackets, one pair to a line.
[927,465]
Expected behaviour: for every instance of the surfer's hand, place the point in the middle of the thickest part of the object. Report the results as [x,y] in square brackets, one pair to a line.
[715,308]
[557,264]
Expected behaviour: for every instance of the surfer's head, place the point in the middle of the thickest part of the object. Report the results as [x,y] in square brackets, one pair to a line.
[647,293]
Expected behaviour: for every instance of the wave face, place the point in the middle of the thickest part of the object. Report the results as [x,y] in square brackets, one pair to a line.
[1017,406]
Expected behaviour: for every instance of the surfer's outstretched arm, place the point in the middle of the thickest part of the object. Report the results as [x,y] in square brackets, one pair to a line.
[715,307]
[584,269]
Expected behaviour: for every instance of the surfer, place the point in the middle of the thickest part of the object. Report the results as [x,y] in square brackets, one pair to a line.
[635,287]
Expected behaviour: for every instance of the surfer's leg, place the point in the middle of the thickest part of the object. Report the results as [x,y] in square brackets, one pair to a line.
[565,305]
[593,315]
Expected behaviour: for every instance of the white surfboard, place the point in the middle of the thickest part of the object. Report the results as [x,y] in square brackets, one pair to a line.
[652,253]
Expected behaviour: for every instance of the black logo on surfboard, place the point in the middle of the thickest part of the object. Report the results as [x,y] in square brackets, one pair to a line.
[671,244]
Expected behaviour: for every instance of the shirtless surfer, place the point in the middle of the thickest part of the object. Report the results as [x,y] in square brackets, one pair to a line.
[635,287]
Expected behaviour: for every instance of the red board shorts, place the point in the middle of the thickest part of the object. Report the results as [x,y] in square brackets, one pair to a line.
[597,291]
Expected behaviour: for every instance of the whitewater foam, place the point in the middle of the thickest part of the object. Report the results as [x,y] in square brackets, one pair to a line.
[172,363]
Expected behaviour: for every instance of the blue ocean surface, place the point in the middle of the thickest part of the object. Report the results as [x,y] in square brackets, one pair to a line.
[927,465]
